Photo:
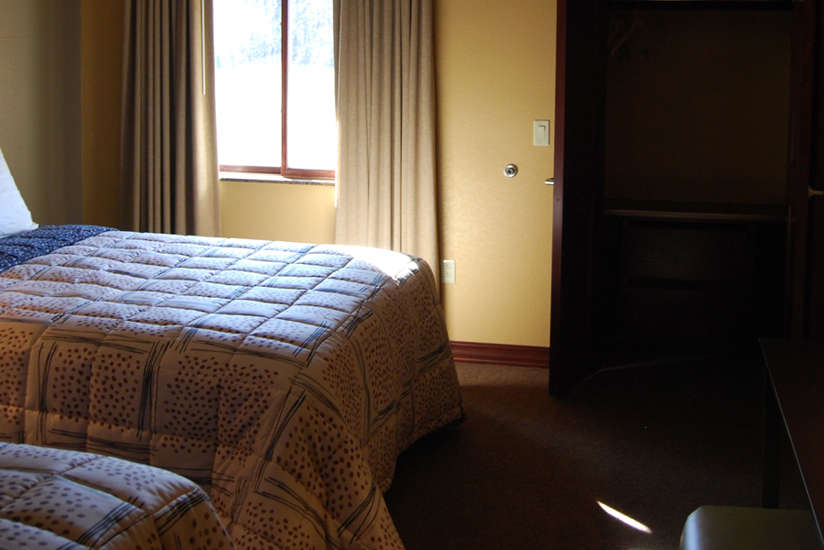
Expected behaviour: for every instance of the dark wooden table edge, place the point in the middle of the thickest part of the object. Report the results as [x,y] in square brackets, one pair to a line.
[770,485]
[773,410]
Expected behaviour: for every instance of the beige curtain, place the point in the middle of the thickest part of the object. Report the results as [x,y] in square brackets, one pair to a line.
[385,97]
[169,179]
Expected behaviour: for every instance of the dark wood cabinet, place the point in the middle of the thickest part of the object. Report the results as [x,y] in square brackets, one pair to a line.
[805,197]
[705,4]
[672,180]
[683,280]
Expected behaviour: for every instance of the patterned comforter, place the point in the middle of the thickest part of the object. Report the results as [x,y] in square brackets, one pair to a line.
[66,500]
[283,378]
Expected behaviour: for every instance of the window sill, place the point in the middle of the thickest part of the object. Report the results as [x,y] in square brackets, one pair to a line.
[270,178]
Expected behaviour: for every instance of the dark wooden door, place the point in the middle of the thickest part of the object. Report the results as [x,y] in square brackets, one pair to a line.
[805,266]
[579,176]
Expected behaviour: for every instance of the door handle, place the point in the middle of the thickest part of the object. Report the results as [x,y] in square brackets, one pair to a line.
[550,181]
[814,192]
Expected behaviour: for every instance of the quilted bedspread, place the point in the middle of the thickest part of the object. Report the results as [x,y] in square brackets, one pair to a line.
[66,500]
[283,378]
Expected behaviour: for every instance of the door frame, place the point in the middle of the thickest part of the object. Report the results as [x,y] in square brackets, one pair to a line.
[580,95]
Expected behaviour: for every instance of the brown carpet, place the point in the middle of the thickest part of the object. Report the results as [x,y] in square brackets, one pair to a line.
[526,470]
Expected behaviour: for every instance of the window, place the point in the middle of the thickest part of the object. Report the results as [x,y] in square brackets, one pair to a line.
[275,87]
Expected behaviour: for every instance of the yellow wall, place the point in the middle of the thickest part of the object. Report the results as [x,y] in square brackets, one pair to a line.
[40,104]
[278,211]
[493,80]
[496,73]
[101,46]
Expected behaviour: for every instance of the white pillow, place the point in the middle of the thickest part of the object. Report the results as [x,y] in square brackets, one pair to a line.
[14,214]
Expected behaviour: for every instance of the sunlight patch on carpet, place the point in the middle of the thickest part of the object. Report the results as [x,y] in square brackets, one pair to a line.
[623,518]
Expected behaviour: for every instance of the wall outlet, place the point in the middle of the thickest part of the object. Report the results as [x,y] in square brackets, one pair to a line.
[448,272]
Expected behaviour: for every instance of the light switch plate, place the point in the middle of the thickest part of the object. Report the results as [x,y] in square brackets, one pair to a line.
[540,133]
[448,272]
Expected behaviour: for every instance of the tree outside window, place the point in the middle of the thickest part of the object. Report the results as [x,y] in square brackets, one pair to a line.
[274,73]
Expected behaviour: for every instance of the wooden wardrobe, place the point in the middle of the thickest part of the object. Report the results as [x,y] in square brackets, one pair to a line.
[686,170]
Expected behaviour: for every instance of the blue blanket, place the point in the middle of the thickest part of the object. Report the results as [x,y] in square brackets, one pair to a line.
[20,247]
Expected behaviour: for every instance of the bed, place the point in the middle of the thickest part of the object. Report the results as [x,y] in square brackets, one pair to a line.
[283,378]
[115,504]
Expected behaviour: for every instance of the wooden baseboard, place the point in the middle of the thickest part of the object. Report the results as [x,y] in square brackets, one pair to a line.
[501,354]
